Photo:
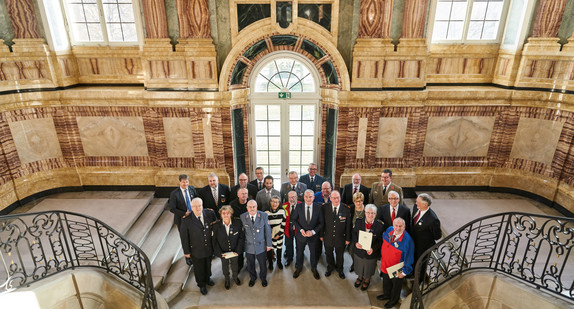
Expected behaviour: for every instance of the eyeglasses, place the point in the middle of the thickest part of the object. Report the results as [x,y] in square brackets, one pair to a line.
[393,198]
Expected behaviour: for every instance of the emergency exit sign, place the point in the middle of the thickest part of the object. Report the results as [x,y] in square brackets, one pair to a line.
[284,95]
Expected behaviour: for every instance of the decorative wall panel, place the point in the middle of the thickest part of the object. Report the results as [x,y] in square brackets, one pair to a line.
[458,136]
[536,140]
[391,137]
[112,136]
[178,137]
[35,140]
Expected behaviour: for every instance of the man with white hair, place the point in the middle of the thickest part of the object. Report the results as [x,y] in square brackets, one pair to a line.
[350,189]
[392,210]
[425,229]
[214,195]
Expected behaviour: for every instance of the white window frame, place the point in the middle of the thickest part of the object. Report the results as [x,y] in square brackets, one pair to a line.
[105,41]
[271,98]
[463,40]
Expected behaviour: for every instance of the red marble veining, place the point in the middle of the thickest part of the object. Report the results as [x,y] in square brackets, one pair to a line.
[414,18]
[155,19]
[23,19]
[548,18]
[193,19]
[375,18]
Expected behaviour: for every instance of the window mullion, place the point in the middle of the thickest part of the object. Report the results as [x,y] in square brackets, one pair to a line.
[103,24]
[466,22]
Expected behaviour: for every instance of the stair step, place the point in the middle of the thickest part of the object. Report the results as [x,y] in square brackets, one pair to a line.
[157,235]
[166,256]
[176,278]
[141,228]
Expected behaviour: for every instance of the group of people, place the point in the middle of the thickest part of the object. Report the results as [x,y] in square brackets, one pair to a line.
[253,221]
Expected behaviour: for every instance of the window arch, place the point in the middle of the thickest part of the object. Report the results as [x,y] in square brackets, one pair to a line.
[284,74]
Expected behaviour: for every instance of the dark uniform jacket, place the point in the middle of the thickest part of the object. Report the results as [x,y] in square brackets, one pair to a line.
[298,219]
[207,196]
[347,194]
[251,192]
[384,214]
[426,232]
[337,228]
[377,229]
[233,242]
[196,238]
[177,204]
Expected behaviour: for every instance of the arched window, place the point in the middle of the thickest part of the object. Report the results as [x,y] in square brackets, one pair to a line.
[284,75]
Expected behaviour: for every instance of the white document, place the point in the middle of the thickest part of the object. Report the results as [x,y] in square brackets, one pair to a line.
[229,255]
[394,270]
[365,239]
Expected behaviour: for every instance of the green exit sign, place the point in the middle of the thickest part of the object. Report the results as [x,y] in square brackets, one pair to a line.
[284,95]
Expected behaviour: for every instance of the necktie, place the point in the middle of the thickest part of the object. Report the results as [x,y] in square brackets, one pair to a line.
[259,186]
[393,215]
[384,189]
[308,214]
[335,211]
[253,219]
[354,190]
[416,217]
[294,188]
[215,195]
[312,180]
[268,195]
[393,238]
[187,202]
[201,220]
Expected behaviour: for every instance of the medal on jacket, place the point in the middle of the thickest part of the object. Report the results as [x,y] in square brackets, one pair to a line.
[396,245]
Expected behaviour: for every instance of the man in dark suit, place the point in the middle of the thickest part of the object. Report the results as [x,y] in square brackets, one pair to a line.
[312,180]
[308,221]
[259,178]
[293,185]
[243,183]
[257,241]
[214,195]
[196,232]
[239,204]
[290,232]
[336,233]
[264,196]
[228,242]
[425,229]
[180,200]
[389,212]
[379,194]
[350,189]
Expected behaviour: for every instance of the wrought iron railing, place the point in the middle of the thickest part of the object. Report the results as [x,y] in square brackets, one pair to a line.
[535,249]
[34,246]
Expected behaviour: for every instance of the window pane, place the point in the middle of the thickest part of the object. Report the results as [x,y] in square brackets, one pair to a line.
[443,10]
[76,13]
[309,112]
[295,128]
[494,10]
[80,32]
[474,30]
[478,11]
[130,33]
[115,33]
[295,112]
[455,30]
[284,73]
[91,13]
[294,158]
[458,11]
[274,128]
[490,30]
[274,143]
[308,128]
[111,13]
[294,143]
[307,156]
[275,157]
[440,30]
[261,143]
[95,32]
[260,112]
[261,128]
[127,13]
[274,112]
[262,157]
[307,143]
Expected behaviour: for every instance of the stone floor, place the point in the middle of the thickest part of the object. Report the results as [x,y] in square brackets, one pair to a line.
[121,209]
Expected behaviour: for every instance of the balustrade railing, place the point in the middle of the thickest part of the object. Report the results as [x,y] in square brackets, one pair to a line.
[34,246]
[535,249]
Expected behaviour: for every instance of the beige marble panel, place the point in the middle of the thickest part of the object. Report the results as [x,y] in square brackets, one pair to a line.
[391,137]
[536,139]
[208,137]
[178,137]
[458,136]
[362,138]
[35,139]
[112,136]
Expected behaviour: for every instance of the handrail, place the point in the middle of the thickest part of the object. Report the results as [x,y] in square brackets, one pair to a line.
[34,246]
[532,248]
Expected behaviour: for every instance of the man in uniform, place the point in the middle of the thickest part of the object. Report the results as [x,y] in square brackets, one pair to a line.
[336,233]
[257,241]
[380,190]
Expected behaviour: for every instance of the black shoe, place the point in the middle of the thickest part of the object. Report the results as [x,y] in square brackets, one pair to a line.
[188,261]
[327,273]
[264,283]
[270,267]
[389,305]
[203,290]
[316,274]
[210,282]
[227,284]
[288,262]
[279,265]
[341,275]
[251,283]
[382,297]
[237,282]
[358,282]
[297,273]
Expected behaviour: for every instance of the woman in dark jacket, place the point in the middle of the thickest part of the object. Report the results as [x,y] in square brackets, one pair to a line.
[228,241]
[366,260]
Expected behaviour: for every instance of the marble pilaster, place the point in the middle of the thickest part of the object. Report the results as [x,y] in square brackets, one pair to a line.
[193,18]
[548,18]
[155,19]
[414,19]
[23,19]
[375,18]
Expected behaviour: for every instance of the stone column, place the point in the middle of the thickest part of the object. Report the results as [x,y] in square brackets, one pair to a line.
[23,19]
[155,19]
[193,18]
[414,19]
[548,18]
[375,19]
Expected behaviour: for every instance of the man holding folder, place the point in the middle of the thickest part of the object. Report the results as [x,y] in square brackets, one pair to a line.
[397,256]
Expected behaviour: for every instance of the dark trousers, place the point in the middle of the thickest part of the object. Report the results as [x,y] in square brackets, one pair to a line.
[392,288]
[312,243]
[201,270]
[261,259]
[289,251]
[334,262]
[234,262]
